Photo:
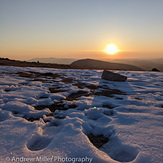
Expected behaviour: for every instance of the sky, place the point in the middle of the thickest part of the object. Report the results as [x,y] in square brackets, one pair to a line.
[81,28]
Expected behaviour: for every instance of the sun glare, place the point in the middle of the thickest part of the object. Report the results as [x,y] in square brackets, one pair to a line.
[111,49]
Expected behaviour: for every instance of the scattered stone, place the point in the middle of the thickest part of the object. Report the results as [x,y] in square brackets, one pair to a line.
[41,107]
[53,107]
[42,80]
[155,69]
[98,141]
[47,74]
[56,106]
[56,89]
[31,74]
[25,74]
[108,75]
[67,80]
[80,85]
[138,98]
[42,96]
[7,89]
[107,106]
[15,112]
[31,119]
[89,86]
[119,98]
[109,92]
[72,106]
[76,95]
[56,75]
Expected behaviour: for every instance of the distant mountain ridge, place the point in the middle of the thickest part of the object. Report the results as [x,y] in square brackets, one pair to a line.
[98,64]
[145,64]
[80,64]
[53,60]
[119,64]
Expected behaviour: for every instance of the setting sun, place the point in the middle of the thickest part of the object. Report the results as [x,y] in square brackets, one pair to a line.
[111,49]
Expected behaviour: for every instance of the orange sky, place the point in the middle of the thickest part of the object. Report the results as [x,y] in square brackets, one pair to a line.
[81,29]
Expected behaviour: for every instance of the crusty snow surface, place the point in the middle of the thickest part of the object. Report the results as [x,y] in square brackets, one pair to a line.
[131,119]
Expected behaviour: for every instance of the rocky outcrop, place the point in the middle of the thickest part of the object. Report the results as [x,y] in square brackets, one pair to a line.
[108,75]
[155,69]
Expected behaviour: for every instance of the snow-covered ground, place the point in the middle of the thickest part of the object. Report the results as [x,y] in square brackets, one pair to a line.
[50,115]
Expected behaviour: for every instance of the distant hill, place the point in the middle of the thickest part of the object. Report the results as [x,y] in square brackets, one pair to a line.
[97,64]
[53,60]
[146,64]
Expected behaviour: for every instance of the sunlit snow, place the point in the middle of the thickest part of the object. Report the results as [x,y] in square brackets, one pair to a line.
[49,117]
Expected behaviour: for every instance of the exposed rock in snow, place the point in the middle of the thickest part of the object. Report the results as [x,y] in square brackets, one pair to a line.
[108,75]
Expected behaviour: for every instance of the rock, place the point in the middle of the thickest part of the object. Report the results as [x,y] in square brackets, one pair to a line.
[108,75]
[98,141]
[155,69]
[74,96]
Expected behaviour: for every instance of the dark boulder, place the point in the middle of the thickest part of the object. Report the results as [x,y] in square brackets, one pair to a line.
[108,75]
[155,69]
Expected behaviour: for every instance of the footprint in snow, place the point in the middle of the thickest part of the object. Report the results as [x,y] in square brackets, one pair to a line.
[119,151]
[41,141]
[38,142]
